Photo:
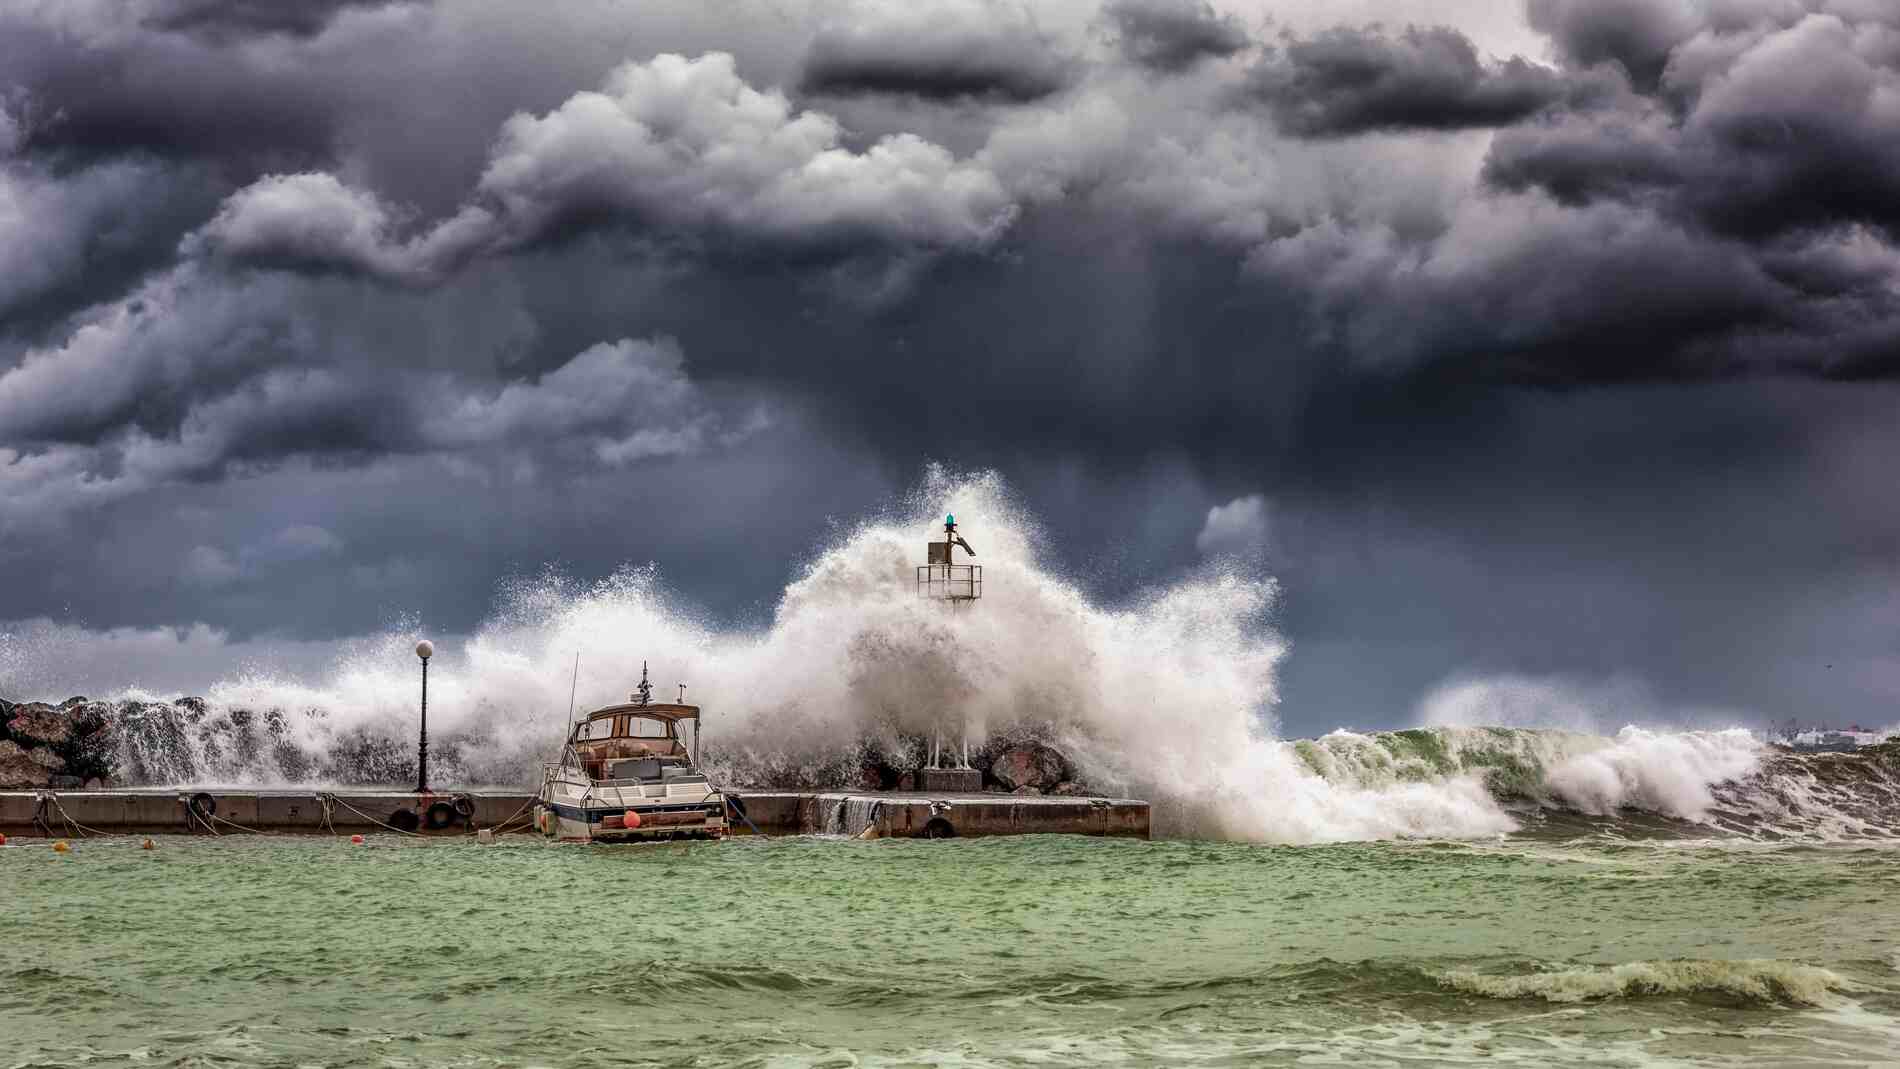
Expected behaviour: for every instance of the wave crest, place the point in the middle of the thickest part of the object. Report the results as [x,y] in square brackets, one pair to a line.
[1761,980]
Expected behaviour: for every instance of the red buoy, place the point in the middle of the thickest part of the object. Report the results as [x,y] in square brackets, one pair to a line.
[3,840]
[356,840]
[631,819]
[147,845]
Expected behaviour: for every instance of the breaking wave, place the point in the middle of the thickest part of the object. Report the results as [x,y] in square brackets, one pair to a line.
[1168,697]
[1765,981]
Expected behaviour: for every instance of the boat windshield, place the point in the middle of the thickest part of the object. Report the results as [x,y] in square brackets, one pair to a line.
[622,727]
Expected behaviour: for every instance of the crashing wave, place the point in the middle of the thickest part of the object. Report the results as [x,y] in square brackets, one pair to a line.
[1169,697]
[1764,980]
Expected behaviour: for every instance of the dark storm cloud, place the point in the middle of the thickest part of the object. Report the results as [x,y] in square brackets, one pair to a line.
[940,52]
[1173,35]
[224,18]
[1350,81]
[1637,34]
[362,308]
[1795,131]
[98,90]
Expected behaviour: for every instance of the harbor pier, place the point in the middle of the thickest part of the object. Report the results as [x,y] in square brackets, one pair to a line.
[863,814]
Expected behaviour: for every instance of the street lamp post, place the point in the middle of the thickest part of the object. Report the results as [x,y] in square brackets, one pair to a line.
[424,649]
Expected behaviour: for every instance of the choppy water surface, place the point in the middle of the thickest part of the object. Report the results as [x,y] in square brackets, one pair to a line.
[1041,950]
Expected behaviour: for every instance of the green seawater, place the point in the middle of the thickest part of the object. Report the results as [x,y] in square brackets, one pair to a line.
[1035,951]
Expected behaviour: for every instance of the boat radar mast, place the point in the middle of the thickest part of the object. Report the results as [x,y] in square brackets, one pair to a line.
[955,585]
[643,694]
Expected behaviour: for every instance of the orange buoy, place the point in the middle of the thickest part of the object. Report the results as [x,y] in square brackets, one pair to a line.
[631,819]
[356,840]
[3,840]
[147,845]
[61,847]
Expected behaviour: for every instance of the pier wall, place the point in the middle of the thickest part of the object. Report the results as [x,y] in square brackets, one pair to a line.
[884,815]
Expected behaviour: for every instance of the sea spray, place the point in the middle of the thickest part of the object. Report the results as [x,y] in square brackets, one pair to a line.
[1169,696]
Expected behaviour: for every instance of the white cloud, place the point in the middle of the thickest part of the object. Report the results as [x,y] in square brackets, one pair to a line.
[305,220]
[673,143]
[628,399]
[1238,528]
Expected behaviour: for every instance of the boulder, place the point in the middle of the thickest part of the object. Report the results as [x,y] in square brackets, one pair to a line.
[1027,790]
[1070,789]
[1027,764]
[39,722]
[21,770]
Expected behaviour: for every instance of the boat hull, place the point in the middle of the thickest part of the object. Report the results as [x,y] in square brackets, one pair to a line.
[580,824]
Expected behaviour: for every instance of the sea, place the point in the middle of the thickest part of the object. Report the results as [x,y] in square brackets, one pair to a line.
[1540,948]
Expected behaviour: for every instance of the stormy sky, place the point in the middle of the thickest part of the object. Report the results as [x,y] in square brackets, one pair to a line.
[1552,340]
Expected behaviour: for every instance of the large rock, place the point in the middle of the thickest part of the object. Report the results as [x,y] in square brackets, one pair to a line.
[23,769]
[74,738]
[1027,764]
[39,722]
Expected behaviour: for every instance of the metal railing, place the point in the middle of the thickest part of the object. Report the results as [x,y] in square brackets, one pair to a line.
[950,582]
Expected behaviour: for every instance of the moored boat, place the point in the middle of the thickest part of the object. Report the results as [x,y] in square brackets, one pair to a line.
[626,775]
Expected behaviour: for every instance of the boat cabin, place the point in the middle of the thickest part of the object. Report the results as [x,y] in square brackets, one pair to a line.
[634,741]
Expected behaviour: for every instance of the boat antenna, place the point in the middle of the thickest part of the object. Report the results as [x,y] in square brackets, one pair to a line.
[644,692]
[572,687]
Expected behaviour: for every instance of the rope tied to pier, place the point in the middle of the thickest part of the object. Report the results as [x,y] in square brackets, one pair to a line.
[511,817]
[240,827]
[83,830]
[372,820]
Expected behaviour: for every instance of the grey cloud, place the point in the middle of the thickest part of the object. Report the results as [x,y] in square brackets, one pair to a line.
[1794,131]
[227,18]
[360,298]
[1638,34]
[99,87]
[1514,292]
[1173,35]
[1352,81]
[612,405]
[944,50]
[672,144]
[628,400]
[74,237]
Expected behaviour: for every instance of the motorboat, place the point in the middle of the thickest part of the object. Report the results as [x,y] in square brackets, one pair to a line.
[626,775]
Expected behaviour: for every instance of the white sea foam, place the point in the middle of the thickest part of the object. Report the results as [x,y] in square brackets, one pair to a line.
[1760,980]
[1671,773]
[1169,696]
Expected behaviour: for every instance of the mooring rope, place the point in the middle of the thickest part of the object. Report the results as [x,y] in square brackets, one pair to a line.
[511,817]
[373,820]
[193,812]
[240,827]
[67,817]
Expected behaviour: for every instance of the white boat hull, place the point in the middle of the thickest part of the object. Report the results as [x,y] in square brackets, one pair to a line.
[575,810]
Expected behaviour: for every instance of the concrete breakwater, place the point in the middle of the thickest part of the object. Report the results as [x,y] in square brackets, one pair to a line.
[879,814]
